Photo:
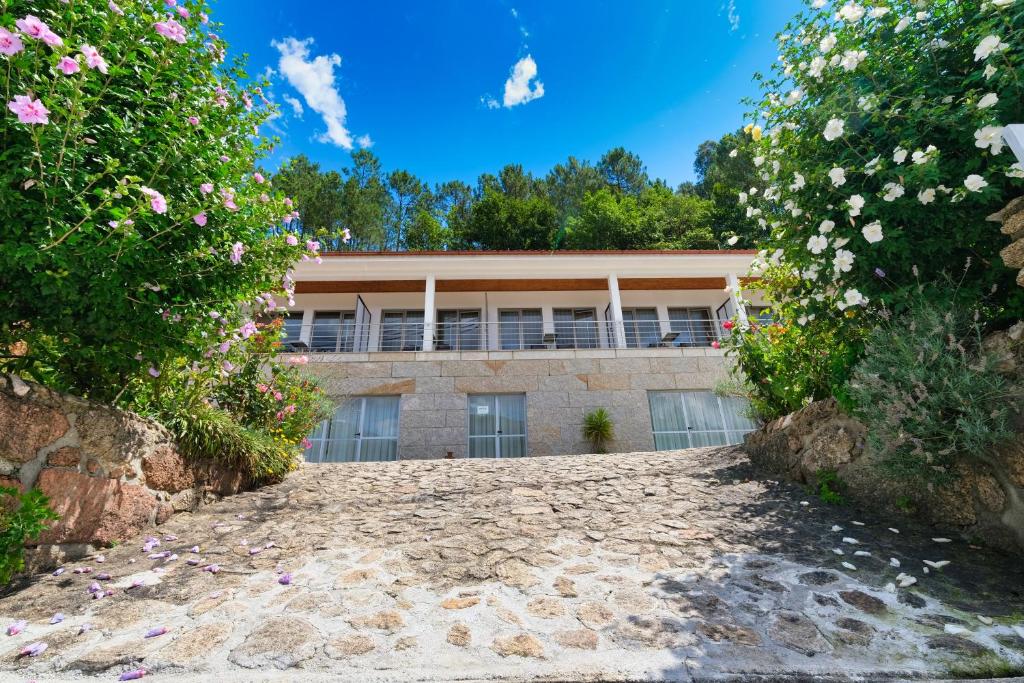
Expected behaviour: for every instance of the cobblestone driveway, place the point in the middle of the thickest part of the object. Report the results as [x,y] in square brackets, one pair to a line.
[642,566]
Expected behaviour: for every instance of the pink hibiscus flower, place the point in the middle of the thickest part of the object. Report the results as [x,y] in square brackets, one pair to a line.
[237,249]
[156,200]
[29,110]
[206,188]
[115,9]
[291,240]
[68,65]
[10,43]
[171,30]
[194,120]
[32,27]
[93,60]
[258,177]
[200,219]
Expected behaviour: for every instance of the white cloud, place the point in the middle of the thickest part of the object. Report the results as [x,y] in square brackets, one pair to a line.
[733,15]
[295,105]
[517,88]
[364,141]
[490,102]
[314,79]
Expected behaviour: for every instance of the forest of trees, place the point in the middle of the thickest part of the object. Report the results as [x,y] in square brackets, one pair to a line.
[611,204]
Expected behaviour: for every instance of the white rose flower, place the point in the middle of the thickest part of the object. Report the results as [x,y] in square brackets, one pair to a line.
[852,297]
[758,161]
[843,262]
[926,196]
[833,129]
[989,100]
[893,191]
[817,66]
[817,244]
[733,153]
[852,59]
[902,24]
[878,12]
[990,71]
[1000,4]
[899,155]
[798,182]
[871,167]
[827,43]
[818,4]
[810,274]
[840,242]
[851,12]
[975,182]
[988,45]
[1015,171]
[856,203]
[826,227]
[872,232]
[838,176]
[794,96]
[989,137]
[742,198]
[733,240]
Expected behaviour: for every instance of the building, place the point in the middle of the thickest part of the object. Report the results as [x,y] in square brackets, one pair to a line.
[501,354]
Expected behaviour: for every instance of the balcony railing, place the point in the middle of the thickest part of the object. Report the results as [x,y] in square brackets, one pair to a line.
[501,336]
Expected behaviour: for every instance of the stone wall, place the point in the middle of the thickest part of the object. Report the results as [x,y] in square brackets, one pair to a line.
[1012,219]
[108,473]
[561,386]
[986,501]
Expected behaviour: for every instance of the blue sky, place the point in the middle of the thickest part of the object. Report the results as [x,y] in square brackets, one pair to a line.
[445,89]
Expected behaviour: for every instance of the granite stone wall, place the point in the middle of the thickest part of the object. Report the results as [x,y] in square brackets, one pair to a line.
[561,386]
[1011,219]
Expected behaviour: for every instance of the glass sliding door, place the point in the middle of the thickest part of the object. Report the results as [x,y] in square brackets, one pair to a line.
[362,429]
[334,331]
[576,328]
[457,331]
[693,325]
[497,425]
[642,329]
[291,330]
[521,329]
[401,331]
[691,419]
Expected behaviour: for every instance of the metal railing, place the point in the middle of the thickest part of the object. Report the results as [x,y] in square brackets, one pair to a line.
[500,335]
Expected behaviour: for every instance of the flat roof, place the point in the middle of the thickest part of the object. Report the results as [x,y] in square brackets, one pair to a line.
[549,252]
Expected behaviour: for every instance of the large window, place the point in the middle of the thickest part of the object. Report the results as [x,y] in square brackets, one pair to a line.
[576,328]
[292,330]
[690,419]
[333,331]
[362,429]
[641,326]
[401,331]
[693,326]
[457,330]
[497,425]
[521,329]
[760,314]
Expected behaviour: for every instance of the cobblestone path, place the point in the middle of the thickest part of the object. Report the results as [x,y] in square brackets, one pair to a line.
[627,567]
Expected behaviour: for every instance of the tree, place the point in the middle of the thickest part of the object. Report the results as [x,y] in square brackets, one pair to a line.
[135,232]
[320,194]
[405,190]
[622,171]
[725,169]
[501,221]
[608,221]
[364,201]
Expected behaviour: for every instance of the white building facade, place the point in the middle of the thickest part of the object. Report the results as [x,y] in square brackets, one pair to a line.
[502,354]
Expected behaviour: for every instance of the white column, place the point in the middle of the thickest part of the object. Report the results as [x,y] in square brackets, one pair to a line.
[306,331]
[618,330]
[734,293]
[428,314]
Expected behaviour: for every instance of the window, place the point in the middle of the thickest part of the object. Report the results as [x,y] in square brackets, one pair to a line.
[457,330]
[641,326]
[402,331]
[362,429]
[334,331]
[291,331]
[693,325]
[690,419]
[497,426]
[521,329]
[576,328]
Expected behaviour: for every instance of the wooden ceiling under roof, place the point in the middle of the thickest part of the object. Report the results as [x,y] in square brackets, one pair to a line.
[510,285]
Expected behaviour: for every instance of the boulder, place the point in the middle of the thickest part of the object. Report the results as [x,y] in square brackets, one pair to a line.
[93,509]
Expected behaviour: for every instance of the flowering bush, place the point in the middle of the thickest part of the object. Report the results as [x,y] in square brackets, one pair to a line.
[878,143]
[23,516]
[136,236]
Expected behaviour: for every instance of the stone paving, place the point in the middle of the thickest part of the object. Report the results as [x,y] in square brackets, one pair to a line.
[684,565]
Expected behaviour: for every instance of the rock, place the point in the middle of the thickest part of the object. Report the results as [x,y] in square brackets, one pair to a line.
[356,577]
[956,644]
[817,578]
[796,632]
[580,639]
[546,608]
[198,643]
[279,642]
[508,616]
[653,632]
[863,602]
[594,615]
[388,620]
[165,470]
[731,632]
[349,646]
[405,643]
[911,599]
[25,427]
[460,603]
[459,635]
[565,587]
[516,574]
[67,456]
[93,509]
[19,387]
[123,654]
[521,645]
[854,631]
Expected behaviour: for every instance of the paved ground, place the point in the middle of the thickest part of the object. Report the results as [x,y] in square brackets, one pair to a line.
[629,567]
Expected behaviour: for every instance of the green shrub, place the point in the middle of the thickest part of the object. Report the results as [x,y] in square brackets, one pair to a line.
[829,487]
[598,429]
[23,516]
[928,393]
